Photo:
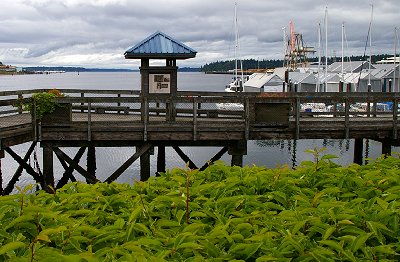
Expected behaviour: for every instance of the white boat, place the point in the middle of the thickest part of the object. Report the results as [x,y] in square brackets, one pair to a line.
[238,80]
[236,85]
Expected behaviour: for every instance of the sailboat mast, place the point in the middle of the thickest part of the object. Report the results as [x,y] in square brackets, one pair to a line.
[319,58]
[236,42]
[326,48]
[395,59]
[342,52]
[370,47]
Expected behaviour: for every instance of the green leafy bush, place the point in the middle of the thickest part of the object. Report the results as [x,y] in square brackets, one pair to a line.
[318,212]
[43,103]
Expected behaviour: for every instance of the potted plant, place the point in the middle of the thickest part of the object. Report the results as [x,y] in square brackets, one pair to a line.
[45,109]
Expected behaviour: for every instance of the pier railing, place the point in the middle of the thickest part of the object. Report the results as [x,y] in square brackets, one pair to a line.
[95,110]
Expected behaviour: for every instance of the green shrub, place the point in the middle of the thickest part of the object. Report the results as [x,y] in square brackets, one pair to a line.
[42,103]
[318,212]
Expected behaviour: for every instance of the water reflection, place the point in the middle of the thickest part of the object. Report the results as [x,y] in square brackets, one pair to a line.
[270,153]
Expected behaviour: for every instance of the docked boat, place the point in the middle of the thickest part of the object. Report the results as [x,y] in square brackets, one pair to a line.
[238,80]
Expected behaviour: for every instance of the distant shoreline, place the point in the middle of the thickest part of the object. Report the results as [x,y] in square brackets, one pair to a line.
[61,69]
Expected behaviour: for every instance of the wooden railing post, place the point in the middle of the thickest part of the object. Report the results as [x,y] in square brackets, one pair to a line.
[145,117]
[195,118]
[20,98]
[157,108]
[297,108]
[368,108]
[82,104]
[119,102]
[335,108]
[346,117]
[374,109]
[395,112]
[247,118]
[34,122]
[170,110]
[89,120]
[1,173]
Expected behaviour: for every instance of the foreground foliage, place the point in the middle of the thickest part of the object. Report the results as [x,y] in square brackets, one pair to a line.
[318,212]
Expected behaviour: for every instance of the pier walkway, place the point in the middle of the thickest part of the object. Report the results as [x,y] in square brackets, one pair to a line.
[110,118]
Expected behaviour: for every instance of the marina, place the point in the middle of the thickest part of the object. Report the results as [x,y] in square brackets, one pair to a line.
[119,142]
[159,116]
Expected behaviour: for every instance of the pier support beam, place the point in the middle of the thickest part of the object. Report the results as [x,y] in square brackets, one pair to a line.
[237,160]
[358,151]
[160,160]
[68,171]
[145,164]
[185,158]
[215,158]
[139,152]
[48,171]
[91,160]
[1,172]
[8,189]
[237,151]
[386,148]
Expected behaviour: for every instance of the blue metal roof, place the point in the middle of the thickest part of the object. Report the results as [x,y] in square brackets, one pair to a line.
[160,45]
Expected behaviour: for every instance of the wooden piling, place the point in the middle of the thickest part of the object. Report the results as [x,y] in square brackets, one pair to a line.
[91,160]
[144,165]
[358,151]
[1,172]
[160,160]
[237,150]
[48,173]
[386,148]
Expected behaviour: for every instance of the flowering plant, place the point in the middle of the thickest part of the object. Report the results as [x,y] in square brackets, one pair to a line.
[43,103]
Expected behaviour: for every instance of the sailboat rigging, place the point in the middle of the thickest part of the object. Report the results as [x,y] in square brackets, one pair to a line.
[396,39]
[237,82]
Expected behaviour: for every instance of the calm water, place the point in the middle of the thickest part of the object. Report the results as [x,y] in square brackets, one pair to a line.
[266,153]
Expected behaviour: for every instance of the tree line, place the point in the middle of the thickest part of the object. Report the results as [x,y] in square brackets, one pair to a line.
[223,66]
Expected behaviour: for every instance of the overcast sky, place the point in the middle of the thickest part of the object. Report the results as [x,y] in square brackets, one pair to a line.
[96,33]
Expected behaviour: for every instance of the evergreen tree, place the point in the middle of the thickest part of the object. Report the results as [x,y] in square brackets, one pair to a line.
[224,66]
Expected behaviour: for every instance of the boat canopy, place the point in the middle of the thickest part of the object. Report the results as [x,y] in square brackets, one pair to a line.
[258,80]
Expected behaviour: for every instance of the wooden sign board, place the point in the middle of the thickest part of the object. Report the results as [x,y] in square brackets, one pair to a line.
[159,83]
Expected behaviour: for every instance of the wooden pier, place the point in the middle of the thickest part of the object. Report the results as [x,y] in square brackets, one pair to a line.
[122,118]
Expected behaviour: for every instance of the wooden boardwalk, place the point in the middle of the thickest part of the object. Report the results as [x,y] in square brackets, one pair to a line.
[127,127]
[193,116]
[116,118]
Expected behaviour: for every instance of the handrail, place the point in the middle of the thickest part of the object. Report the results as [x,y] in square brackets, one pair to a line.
[116,98]
[265,95]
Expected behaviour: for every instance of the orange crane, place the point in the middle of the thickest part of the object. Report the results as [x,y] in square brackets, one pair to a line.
[296,52]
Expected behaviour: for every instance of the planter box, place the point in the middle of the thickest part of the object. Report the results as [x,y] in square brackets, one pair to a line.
[271,114]
[62,116]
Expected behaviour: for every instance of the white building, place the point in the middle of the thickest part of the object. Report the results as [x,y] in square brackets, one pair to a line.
[263,82]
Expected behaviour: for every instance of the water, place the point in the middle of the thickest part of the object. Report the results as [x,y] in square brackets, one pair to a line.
[265,153]
[124,80]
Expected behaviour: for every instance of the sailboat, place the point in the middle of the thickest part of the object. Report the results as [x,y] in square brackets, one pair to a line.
[238,80]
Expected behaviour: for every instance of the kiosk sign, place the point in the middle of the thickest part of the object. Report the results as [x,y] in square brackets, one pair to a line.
[159,83]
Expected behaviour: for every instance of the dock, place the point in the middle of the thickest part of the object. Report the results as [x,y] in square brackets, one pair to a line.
[123,118]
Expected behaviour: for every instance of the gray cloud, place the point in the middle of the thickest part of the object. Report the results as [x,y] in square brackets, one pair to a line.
[78,32]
